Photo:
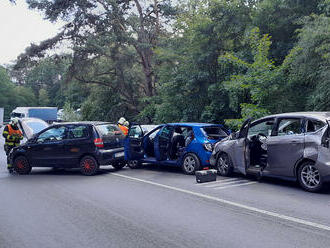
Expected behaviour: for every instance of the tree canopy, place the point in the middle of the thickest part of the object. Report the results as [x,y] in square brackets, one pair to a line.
[163,61]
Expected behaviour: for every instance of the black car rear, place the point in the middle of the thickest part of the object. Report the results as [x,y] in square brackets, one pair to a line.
[84,145]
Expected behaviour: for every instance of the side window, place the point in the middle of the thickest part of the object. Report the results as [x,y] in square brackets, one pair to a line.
[290,126]
[78,132]
[135,132]
[52,135]
[313,125]
[264,127]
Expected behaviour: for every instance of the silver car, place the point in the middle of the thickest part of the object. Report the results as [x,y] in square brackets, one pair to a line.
[289,146]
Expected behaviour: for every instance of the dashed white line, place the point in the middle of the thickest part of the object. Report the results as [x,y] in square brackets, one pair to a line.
[231,203]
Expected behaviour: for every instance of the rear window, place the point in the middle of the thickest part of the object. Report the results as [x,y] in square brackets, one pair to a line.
[214,132]
[108,130]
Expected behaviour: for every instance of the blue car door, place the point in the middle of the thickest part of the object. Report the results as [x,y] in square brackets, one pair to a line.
[162,142]
[133,143]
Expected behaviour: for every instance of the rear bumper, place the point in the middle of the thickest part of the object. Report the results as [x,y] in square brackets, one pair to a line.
[107,157]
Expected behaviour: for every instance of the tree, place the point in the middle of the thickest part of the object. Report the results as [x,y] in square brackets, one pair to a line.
[95,24]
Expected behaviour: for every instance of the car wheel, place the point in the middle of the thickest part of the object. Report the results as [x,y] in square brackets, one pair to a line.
[309,177]
[88,166]
[224,165]
[22,165]
[134,164]
[118,165]
[190,164]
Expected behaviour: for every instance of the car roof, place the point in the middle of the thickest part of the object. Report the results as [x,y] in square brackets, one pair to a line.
[193,124]
[319,115]
[93,123]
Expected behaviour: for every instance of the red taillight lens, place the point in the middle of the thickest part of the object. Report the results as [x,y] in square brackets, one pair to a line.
[99,143]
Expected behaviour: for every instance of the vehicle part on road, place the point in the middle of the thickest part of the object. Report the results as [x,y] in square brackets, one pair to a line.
[88,166]
[224,165]
[204,176]
[309,177]
[22,166]
[190,164]
[134,164]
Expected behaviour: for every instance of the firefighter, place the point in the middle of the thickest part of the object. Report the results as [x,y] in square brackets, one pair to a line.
[121,125]
[13,137]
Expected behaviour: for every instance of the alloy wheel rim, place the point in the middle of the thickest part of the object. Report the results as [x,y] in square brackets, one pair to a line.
[223,165]
[310,176]
[133,163]
[189,164]
[88,165]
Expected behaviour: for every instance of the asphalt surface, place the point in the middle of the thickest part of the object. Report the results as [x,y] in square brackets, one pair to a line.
[156,207]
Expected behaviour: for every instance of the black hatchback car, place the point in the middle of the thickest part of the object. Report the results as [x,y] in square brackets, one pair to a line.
[84,145]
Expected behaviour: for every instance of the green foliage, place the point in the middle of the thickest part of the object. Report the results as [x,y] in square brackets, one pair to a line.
[214,61]
[69,113]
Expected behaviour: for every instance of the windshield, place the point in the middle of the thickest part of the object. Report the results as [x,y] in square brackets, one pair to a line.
[214,132]
[18,115]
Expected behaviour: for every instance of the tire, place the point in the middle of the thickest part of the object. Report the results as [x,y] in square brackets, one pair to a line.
[309,177]
[224,165]
[22,166]
[134,164]
[88,166]
[190,164]
[118,165]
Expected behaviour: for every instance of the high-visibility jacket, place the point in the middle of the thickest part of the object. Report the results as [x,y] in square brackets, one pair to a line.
[12,135]
[123,129]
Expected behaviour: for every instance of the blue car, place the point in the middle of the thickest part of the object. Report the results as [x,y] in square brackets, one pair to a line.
[188,145]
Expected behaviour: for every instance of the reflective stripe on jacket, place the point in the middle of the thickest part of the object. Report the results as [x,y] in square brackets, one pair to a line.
[12,136]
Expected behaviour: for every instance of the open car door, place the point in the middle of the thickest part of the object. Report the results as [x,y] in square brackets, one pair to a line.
[133,143]
[242,153]
[162,142]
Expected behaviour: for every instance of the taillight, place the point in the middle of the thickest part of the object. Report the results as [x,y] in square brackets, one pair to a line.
[99,143]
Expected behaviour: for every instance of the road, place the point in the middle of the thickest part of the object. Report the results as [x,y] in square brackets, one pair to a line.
[156,207]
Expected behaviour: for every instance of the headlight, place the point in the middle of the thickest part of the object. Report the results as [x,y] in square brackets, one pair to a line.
[208,146]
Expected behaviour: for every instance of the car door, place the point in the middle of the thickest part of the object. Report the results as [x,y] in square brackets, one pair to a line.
[241,153]
[162,142]
[47,149]
[133,143]
[77,143]
[286,147]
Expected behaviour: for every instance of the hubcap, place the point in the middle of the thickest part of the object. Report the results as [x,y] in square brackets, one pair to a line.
[310,176]
[133,163]
[189,164]
[223,165]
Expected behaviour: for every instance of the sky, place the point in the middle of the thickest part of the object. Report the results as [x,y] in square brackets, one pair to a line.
[19,27]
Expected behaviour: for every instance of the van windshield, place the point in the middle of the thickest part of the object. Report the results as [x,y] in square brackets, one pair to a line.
[18,115]
[214,132]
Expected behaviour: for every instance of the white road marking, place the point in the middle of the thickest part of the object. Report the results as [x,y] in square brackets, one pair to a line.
[231,203]
[226,183]
[216,182]
[233,185]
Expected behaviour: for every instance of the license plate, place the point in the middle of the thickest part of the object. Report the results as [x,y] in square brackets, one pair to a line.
[119,154]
